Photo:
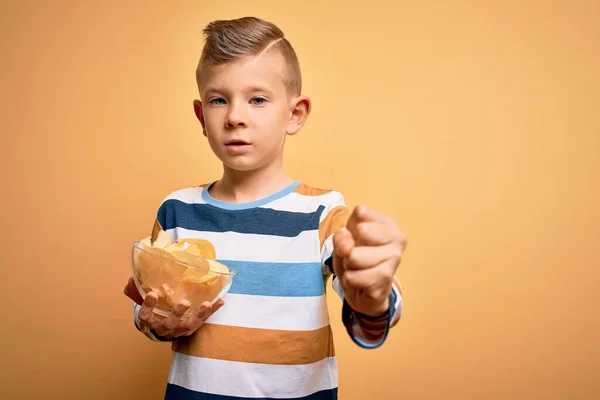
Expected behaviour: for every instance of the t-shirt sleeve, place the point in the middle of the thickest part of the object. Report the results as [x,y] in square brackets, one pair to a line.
[334,218]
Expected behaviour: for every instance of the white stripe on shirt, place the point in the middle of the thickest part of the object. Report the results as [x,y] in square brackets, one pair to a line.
[230,378]
[251,247]
[270,312]
[296,202]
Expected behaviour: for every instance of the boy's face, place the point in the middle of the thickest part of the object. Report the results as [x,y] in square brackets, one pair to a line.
[246,110]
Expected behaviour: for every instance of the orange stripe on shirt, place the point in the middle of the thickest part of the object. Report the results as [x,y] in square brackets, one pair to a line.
[310,191]
[264,346]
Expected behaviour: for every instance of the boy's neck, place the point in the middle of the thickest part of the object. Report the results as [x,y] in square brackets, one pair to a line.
[248,186]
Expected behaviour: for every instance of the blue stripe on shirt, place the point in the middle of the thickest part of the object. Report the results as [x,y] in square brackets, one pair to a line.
[175,392]
[276,279]
[205,217]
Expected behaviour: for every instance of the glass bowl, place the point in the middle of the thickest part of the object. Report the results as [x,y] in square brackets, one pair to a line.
[173,280]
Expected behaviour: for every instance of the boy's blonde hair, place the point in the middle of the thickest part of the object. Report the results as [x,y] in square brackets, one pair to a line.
[229,40]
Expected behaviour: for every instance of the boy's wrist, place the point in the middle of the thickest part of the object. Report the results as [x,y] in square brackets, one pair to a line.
[378,313]
[159,337]
[380,317]
[369,331]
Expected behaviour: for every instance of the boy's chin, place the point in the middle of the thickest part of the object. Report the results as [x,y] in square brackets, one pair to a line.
[241,165]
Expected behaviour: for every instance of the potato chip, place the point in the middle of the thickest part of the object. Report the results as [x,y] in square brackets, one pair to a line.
[206,248]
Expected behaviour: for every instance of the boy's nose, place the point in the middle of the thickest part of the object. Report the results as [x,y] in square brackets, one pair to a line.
[235,118]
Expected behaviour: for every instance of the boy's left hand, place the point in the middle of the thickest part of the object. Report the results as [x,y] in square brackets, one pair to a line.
[366,256]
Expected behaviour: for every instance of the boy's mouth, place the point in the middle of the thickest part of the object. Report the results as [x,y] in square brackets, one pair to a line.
[237,146]
[236,143]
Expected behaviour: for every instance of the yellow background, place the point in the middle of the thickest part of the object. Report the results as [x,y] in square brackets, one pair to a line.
[476,126]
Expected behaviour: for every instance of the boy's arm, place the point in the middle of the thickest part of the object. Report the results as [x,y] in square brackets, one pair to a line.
[366,331]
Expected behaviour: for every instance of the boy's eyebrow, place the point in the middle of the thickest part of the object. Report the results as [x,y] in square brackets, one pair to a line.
[249,89]
[211,89]
[256,88]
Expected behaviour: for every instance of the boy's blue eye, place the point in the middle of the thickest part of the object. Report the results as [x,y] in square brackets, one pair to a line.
[258,101]
[217,102]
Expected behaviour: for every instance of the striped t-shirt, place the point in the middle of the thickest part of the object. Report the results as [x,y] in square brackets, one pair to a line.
[272,338]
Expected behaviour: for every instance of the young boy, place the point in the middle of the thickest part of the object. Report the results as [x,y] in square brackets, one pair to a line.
[270,336]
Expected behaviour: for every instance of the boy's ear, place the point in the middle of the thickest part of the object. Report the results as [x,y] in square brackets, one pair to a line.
[300,107]
[199,114]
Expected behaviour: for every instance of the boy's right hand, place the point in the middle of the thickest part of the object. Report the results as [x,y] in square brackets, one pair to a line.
[173,326]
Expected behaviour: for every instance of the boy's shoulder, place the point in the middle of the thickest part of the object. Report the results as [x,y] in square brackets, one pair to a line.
[312,191]
[187,194]
[315,198]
